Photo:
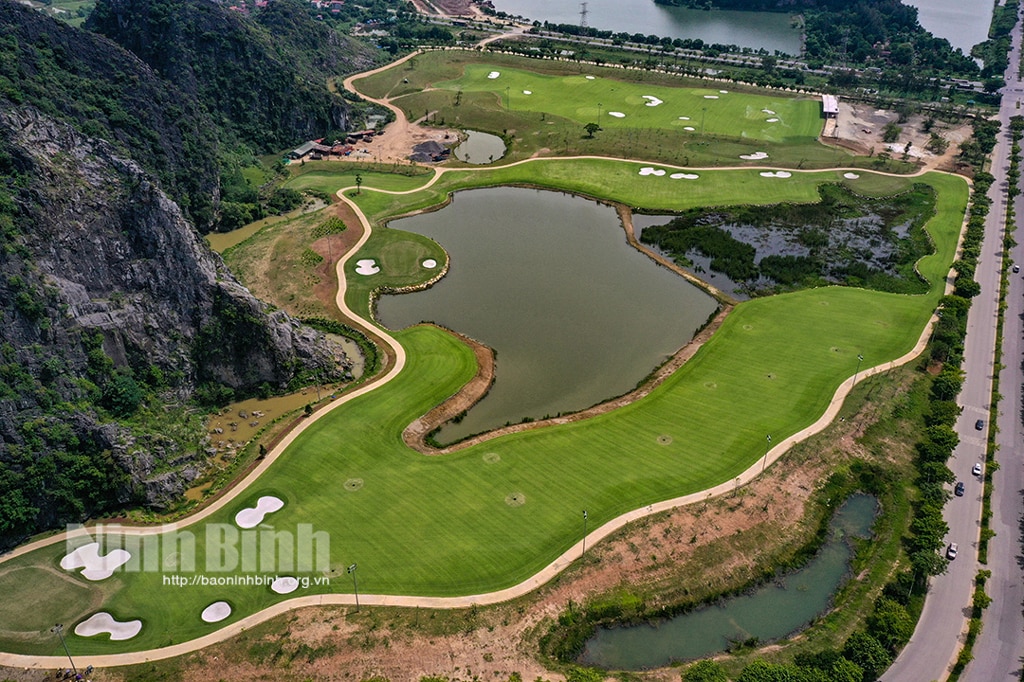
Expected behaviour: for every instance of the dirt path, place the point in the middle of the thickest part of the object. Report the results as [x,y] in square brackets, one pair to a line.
[397,356]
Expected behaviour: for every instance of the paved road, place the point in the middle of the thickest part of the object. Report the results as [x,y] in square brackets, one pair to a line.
[1000,647]
[937,638]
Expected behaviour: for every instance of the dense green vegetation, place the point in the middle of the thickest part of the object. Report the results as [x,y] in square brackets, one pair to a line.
[880,33]
[106,93]
[848,240]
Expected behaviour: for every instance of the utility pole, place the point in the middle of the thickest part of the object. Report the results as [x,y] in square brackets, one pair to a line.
[58,629]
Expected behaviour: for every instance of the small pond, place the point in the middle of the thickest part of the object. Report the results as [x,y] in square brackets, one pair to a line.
[480,148]
[770,612]
[575,314]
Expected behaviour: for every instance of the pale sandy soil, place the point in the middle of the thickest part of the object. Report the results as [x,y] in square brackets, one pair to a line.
[861,126]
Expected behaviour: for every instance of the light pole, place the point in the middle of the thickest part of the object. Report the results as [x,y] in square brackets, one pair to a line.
[508,100]
[584,532]
[355,584]
[58,629]
[599,113]
[767,447]
[860,359]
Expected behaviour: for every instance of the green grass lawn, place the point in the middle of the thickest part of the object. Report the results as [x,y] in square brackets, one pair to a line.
[454,88]
[492,515]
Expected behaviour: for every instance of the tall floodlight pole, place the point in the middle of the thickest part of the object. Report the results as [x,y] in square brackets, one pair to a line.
[355,584]
[584,532]
[767,447]
[58,630]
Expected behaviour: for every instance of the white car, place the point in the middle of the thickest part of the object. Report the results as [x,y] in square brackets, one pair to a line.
[951,551]
[977,469]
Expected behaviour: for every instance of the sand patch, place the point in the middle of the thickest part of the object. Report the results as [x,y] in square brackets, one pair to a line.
[590,78]
[652,101]
[756,156]
[527,92]
[493,74]
[724,92]
[251,517]
[776,174]
[710,96]
[617,114]
[768,111]
[850,176]
[684,118]
[684,176]
[103,622]
[647,170]
[772,120]
[285,585]
[689,128]
[367,266]
[96,567]
[430,264]
[216,612]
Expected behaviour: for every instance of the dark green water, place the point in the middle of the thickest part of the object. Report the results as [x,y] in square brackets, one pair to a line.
[575,314]
[770,612]
[480,148]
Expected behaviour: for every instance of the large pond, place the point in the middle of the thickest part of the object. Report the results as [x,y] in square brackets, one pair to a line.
[770,612]
[769,30]
[575,314]
[961,23]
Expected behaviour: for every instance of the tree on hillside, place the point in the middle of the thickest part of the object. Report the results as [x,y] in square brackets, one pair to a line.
[591,128]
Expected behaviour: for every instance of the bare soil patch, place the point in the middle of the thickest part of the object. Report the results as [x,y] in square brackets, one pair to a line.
[861,126]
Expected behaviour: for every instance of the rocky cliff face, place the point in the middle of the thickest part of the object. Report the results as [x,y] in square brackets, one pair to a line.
[106,290]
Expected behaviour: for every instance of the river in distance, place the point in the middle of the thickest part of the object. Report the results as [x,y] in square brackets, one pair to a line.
[963,24]
[574,313]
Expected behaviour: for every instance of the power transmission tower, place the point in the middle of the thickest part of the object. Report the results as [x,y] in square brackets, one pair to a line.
[583,15]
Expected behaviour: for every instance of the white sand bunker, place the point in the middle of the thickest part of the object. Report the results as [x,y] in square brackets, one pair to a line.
[527,92]
[776,174]
[684,118]
[617,114]
[590,78]
[684,176]
[756,156]
[768,111]
[493,74]
[850,176]
[430,264]
[647,170]
[690,128]
[367,266]
[652,101]
[251,517]
[772,120]
[102,622]
[724,92]
[710,96]
[96,567]
[285,585]
[216,612]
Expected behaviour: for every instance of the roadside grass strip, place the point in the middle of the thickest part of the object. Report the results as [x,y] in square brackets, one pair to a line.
[491,516]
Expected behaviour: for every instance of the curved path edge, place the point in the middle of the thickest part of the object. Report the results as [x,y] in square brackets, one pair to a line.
[528,585]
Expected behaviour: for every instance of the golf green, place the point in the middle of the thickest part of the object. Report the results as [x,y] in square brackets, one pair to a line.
[492,515]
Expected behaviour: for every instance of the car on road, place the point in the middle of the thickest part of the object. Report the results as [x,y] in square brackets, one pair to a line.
[951,551]
[979,425]
[977,469]
[1016,268]
[959,489]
